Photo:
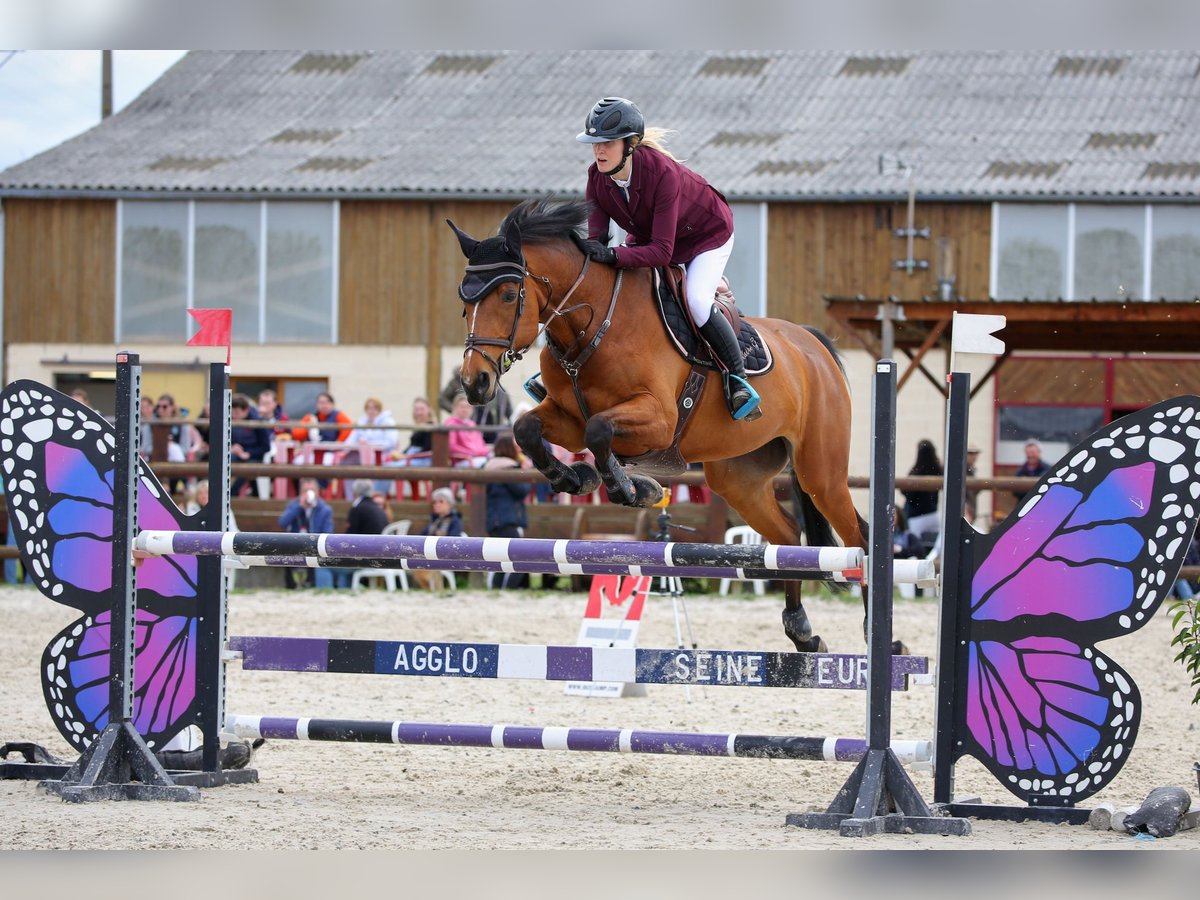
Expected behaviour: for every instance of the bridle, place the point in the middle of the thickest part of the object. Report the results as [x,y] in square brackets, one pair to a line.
[518,272]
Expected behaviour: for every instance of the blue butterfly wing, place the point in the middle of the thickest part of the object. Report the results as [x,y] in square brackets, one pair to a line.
[56,457]
[1089,555]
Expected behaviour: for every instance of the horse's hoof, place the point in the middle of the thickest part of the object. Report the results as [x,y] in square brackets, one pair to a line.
[814,644]
[649,491]
[589,478]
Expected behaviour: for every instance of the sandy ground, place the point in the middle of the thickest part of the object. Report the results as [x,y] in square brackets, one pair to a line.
[333,796]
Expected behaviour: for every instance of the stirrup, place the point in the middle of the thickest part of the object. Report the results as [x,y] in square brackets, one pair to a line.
[749,409]
[535,389]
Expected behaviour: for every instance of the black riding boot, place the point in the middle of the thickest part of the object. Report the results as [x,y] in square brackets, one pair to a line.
[742,399]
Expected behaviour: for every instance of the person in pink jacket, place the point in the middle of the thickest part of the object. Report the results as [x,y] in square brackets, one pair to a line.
[467,446]
[671,215]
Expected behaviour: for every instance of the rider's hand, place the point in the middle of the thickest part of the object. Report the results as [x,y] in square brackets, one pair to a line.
[599,252]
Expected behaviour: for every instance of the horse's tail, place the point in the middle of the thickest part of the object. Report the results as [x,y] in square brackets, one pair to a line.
[827,343]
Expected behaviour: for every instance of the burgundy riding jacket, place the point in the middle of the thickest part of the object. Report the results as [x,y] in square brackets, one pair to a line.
[672,216]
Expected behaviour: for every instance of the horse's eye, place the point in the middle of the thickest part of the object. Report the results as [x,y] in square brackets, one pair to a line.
[509,296]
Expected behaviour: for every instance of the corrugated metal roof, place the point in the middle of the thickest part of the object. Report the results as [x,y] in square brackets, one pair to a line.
[762,124]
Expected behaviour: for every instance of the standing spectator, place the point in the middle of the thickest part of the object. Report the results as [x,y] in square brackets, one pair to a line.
[1034,466]
[467,446]
[365,516]
[309,514]
[246,443]
[506,515]
[921,507]
[374,428]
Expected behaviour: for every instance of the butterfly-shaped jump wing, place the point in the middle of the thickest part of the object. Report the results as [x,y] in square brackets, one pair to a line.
[56,458]
[1089,555]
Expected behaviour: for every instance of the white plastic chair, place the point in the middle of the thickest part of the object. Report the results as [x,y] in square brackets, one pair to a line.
[391,577]
[743,534]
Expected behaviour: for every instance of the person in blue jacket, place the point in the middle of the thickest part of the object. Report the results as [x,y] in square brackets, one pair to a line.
[506,515]
[309,514]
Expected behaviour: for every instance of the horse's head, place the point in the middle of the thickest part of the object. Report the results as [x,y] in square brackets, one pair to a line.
[493,292]
[501,319]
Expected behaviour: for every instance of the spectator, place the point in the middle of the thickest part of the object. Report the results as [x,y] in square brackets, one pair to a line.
[421,441]
[970,494]
[200,448]
[467,446]
[506,515]
[382,501]
[246,443]
[269,409]
[328,423]
[1034,466]
[373,429]
[147,415]
[198,499]
[921,507]
[496,412]
[444,521]
[309,514]
[365,516]
[80,395]
[444,518]
[904,543]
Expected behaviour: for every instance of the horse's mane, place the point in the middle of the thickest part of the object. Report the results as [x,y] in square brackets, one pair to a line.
[547,220]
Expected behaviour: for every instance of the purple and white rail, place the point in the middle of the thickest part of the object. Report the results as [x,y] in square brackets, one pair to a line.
[598,740]
[533,555]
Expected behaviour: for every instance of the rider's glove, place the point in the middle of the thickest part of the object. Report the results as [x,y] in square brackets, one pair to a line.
[599,252]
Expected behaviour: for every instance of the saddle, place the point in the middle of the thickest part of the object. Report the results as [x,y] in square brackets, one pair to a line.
[685,337]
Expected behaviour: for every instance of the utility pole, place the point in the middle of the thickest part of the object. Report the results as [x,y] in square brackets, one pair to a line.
[106,93]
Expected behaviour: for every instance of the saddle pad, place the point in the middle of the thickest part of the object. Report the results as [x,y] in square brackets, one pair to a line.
[689,345]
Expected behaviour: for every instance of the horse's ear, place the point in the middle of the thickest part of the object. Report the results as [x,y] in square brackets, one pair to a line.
[465,241]
[512,240]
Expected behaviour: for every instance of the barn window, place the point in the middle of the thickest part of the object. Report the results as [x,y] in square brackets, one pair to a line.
[273,263]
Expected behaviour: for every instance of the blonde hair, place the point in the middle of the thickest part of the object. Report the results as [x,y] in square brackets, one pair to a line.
[656,139]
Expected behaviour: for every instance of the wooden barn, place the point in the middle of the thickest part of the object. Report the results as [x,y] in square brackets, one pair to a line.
[874,195]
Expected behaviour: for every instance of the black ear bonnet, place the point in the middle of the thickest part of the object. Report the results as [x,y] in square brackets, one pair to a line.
[491,263]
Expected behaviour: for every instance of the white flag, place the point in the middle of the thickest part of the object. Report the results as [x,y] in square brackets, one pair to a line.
[973,334]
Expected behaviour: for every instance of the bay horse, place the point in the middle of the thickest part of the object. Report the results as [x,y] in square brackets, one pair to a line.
[613,379]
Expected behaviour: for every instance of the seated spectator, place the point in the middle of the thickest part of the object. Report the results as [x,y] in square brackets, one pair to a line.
[444,521]
[365,516]
[246,443]
[81,396]
[467,446]
[420,445]
[905,544]
[269,410]
[496,412]
[309,514]
[327,425]
[198,499]
[371,430]
[147,436]
[382,501]
[200,448]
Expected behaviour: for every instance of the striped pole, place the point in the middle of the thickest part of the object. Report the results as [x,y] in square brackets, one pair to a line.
[634,665]
[599,740]
[531,555]
[630,554]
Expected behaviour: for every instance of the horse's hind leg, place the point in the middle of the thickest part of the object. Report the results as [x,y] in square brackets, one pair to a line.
[746,484]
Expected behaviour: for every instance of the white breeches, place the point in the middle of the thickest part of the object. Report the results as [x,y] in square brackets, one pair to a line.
[703,275]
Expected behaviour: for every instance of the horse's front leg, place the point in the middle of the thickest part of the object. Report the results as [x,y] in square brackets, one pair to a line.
[529,431]
[628,490]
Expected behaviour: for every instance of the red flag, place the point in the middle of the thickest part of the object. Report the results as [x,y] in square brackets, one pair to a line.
[216,328]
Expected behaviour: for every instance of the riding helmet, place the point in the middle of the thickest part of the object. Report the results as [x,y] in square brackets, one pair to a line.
[610,119]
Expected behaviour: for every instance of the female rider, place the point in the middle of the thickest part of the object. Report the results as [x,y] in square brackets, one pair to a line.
[671,215]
